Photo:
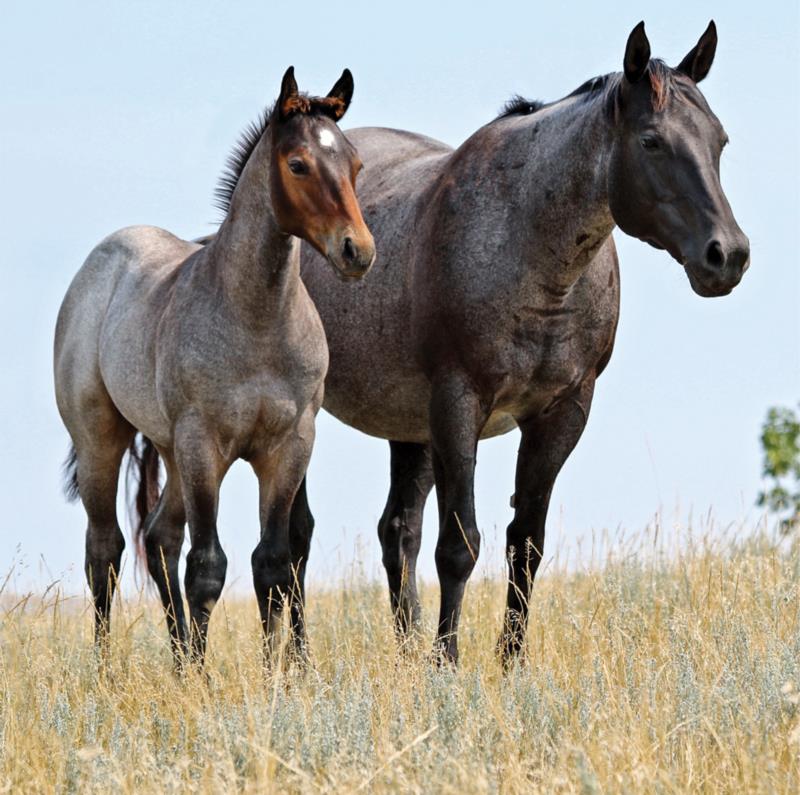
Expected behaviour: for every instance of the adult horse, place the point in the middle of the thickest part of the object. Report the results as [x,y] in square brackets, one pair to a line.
[212,354]
[495,300]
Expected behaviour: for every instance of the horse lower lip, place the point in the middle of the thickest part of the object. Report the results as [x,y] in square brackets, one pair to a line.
[703,289]
[348,275]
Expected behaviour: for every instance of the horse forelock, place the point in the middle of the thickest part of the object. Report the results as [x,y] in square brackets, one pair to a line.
[334,107]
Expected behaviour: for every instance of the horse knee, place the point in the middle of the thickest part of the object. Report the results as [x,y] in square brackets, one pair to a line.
[456,558]
[104,543]
[205,576]
[104,547]
[272,572]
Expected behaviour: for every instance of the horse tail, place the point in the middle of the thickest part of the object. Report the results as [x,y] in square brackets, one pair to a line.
[70,474]
[143,482]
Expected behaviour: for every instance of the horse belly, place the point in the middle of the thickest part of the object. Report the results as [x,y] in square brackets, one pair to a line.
[373,383]
[395,408]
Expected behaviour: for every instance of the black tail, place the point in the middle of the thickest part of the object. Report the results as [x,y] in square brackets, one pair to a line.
[70,472]
[143,475]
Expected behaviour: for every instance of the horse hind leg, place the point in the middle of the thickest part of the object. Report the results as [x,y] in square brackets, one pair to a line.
[400,532]
[301,529]
[98,457]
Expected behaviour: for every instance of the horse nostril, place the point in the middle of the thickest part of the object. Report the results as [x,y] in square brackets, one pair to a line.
[714,254]
[349,250]
[739,259]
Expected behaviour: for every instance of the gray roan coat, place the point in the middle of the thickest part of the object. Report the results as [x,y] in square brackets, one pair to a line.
[212,353]
[495,298]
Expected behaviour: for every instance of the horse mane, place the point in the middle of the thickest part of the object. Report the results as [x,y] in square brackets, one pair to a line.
[520,106]
[237,160]
[661,76]
[251,135]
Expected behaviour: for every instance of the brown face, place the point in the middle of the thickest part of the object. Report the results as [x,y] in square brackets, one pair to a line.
[313,176]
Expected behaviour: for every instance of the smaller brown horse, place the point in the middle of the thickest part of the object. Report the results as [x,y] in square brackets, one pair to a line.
[212,354]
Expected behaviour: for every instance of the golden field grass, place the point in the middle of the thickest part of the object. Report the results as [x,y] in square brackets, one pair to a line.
[648,673]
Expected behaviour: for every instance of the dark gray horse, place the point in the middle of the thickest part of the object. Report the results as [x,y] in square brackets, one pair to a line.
[495,299]
[212,354]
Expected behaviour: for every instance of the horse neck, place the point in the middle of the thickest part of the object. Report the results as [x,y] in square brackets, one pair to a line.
[254,262]
[555,197]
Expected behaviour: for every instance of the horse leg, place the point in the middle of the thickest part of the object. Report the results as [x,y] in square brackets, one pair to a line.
[301,528]
[457,418]
[163,538]
[400,530]
[201,471]
[547,441]
[98,459]
[280,475]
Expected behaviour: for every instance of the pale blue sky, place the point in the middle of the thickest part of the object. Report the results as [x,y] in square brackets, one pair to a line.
[121,113]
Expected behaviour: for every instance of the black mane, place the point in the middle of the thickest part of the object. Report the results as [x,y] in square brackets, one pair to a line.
[520,106]
[237,160]
[661,81]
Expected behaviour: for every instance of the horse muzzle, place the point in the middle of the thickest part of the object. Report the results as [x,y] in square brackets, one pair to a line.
[720,267]
[351,255]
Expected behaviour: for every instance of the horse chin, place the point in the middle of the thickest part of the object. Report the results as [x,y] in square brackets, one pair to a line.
[706,290]
[345,274]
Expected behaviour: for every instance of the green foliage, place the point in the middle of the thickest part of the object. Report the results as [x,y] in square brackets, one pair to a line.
[780,441]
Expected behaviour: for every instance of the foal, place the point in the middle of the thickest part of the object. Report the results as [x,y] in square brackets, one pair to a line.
[212,354]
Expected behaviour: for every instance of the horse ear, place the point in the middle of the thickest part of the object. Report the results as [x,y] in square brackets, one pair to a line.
[637,54]
[698,62]
[289,92]
[343,91]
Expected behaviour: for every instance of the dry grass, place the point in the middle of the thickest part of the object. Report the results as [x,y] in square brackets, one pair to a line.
[645,675]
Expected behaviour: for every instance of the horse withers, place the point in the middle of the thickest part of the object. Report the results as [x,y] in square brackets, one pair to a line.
[212,354]
[494,304]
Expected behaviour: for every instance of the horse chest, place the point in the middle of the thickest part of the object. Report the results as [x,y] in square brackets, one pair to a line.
[256,414]
[545,355]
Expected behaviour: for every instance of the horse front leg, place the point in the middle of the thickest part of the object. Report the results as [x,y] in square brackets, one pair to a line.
[547,440]
[457,416]
[201,471]
[163,538]
[400,532]
[277,581]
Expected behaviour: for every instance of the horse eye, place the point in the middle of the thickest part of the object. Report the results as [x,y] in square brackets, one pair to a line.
[297,166]
[648,142]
